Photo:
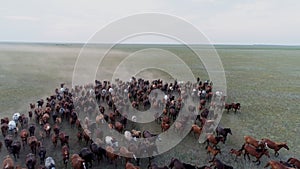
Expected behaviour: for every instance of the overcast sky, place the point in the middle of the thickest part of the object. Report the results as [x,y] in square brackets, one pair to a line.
[222,21]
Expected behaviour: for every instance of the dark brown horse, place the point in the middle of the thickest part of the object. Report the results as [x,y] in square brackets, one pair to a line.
[32,142]
[219,164]
[30,161]
[294,162]
[223,132]
[257,153]
[65,154]
[176,164]
[275,146]
[15,149]
[236,106]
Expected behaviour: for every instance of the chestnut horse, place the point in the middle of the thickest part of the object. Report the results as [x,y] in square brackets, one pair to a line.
[8,163]
[131,166]
[275,146]
[77,162]
[213,151]
[294,162]
[276,165]
[252,141]
[237,153]
[214,140]
[24,135]
[258,153]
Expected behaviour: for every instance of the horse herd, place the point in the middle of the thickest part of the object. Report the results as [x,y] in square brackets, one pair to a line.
[89,109]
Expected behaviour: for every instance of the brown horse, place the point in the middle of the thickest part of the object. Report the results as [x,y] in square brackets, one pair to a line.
[24,135]
[8,163]
[64,139]
[164,126]
[65,154]
[47,129]
[219,164]
[4,129]
[123,151]
[196,130]
[213,151]
[30,161]
[294,162]
[32,142]
[275,146]
[257,153]
[77,162]
[237,153]
[228,107]
[111,155]
[236,106]
[214,140]
[276,165]
[176,164]
[252,141]
[131,166]
[87,135]
[54,139]
[155,166]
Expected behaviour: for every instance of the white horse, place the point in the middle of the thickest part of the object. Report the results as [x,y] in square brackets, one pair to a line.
[49,163]
[111,141]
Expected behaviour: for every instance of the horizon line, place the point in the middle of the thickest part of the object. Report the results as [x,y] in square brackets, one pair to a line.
[144,43]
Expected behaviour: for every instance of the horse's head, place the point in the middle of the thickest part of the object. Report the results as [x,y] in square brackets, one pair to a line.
[228,130]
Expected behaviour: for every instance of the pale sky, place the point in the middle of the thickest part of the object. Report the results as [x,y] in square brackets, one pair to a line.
[222,21]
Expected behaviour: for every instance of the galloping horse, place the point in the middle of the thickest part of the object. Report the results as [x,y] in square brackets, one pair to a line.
[32,141]
[8,163]
[65,153]
[24,135]
[176,164]
[252,141]
[294,162]
[219,165]
[276,165]
[15,148]
[30,161]
[275,146]
[223,132]
[214,140]
[77,162]
[258,153]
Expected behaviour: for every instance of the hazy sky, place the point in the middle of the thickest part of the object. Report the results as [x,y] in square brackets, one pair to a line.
[222,21]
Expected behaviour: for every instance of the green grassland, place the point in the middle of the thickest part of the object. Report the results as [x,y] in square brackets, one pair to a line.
[264,79]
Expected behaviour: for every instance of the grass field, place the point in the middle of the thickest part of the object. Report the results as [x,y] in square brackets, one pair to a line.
[264,79]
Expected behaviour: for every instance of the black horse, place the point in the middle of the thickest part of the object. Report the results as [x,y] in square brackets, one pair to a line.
[42,154]
[87,155]
[30,161]
[15,149]
[223,132]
